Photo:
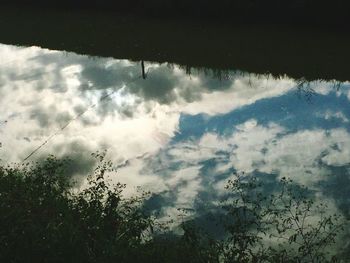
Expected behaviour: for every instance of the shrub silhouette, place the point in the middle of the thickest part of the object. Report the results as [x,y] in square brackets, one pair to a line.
[302,229]
[43,219]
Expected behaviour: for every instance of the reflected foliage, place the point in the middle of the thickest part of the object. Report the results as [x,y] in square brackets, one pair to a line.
[301,229]
[45,219]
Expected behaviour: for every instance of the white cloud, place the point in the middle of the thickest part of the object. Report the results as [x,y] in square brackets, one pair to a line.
[328,115]
[40,93]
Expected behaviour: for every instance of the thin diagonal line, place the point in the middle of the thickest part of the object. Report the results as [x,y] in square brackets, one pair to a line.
[70,121]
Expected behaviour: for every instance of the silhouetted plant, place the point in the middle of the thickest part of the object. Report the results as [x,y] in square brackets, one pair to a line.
[288,226]
[45,219]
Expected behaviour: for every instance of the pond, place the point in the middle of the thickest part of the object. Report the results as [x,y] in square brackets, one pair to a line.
[179,133]
[179,107]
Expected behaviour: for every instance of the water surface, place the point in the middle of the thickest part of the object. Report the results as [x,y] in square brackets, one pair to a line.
[180,134]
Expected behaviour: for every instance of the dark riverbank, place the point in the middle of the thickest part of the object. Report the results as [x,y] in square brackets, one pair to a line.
[300,52]
[246,11]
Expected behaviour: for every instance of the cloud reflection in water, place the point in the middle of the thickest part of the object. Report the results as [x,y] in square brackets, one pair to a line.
[181,136]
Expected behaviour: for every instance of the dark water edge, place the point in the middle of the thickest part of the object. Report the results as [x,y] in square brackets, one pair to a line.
[308,52]
[243,11]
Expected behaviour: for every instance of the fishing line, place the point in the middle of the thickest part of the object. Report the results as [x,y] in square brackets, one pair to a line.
[72,120]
